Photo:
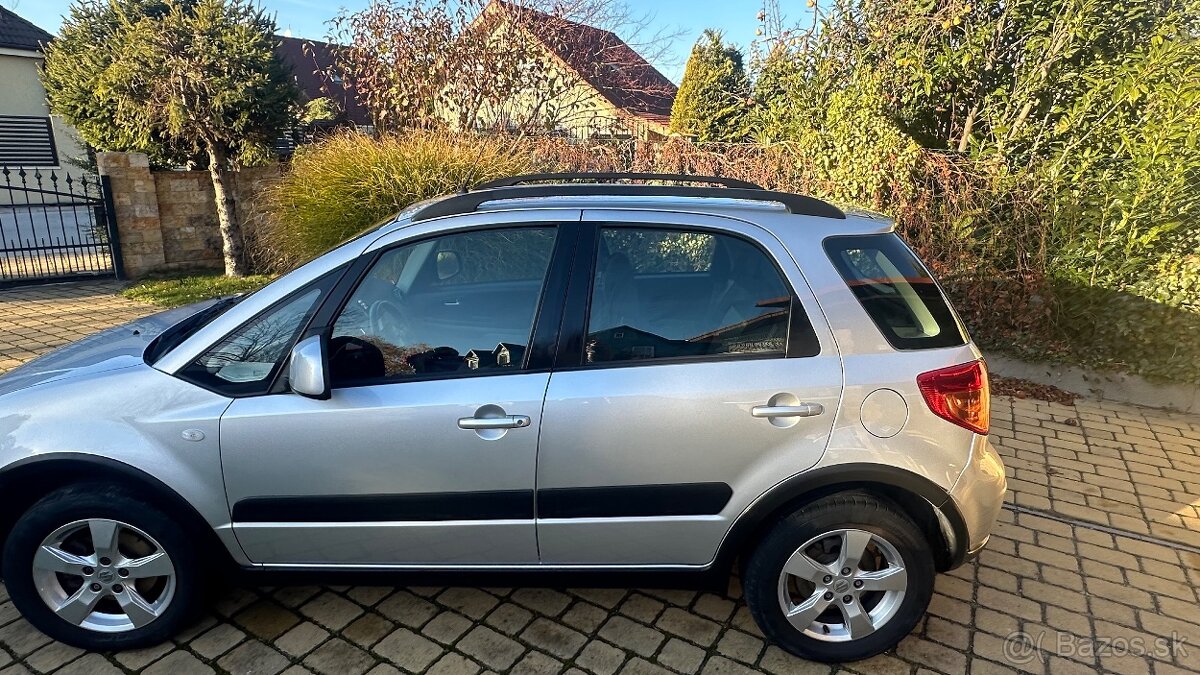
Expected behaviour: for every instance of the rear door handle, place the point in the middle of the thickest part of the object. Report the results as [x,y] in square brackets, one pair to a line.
[505,422]
[802,410]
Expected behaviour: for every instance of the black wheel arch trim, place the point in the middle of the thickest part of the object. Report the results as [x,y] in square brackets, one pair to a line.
[79,467]
[806,487]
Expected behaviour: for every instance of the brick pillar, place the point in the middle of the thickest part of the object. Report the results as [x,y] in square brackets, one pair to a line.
[136,203]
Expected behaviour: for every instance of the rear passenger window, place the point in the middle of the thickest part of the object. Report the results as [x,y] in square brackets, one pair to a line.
[662,294]
[896,290]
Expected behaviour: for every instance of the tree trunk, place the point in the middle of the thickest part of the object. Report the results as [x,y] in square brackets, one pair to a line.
[964,141]
[231,231]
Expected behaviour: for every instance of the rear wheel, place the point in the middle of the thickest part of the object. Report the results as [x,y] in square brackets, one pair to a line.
[844,578]
[99,569]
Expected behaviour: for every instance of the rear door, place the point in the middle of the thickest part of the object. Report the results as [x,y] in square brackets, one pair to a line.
[695,372]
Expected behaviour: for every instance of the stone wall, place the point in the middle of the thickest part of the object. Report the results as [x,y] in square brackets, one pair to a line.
[167,220]
[187,217]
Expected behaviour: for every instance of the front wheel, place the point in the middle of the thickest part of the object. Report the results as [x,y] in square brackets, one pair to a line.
[96,568]
[844,578]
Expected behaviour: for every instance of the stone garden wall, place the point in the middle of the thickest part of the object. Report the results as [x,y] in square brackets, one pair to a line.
[167,220]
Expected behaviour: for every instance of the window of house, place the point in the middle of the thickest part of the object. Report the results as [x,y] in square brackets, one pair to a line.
[27,141]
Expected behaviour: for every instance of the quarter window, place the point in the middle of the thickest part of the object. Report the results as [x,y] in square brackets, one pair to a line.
[896,291]
[662,294]
[246,361]
[459,304]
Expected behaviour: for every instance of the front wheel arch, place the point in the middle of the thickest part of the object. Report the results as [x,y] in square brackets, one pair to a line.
[25,482]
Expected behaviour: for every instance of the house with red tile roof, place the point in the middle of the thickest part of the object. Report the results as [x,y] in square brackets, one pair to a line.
[313,66]
[603,87]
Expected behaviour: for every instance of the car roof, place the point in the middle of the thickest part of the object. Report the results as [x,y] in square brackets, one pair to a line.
[768,214]
[651,192]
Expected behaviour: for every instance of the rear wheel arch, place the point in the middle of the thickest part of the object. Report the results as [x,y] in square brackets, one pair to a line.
[25,482]
[916,496]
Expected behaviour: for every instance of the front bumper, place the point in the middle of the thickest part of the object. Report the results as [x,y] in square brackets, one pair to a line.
[979,494]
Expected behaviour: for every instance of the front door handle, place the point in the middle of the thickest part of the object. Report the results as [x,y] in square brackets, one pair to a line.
[801,410]
[503,422]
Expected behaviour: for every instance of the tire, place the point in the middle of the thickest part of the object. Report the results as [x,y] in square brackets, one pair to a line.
[821,599]
[153,561]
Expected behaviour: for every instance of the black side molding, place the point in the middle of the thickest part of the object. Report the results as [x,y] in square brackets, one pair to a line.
[685,499]
[494,505]
[631,501]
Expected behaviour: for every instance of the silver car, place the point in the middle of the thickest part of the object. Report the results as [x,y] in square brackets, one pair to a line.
[542,380]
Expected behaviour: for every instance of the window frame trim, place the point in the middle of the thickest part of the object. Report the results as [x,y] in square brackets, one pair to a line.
[802,340]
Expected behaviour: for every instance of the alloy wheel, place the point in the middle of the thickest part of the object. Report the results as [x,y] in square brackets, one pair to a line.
[842,585]
[104,575]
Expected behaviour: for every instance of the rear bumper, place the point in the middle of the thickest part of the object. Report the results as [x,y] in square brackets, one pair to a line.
[979,494]
[974,553]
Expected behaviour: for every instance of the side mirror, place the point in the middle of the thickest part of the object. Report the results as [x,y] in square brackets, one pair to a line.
[306,369]
[448,265]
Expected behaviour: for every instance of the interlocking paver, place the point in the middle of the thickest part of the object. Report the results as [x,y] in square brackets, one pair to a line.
[302,639]
[52,656]
[1100,545]
[331,610]
[338,657]
[175,663]
[491,648]
[600,657]
[255,657]
[408,650]
[447,627]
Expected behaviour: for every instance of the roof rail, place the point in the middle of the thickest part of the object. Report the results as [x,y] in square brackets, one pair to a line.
[614,175]
[469,202]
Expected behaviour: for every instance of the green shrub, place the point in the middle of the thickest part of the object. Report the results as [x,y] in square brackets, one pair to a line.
[338,188]
[976,222]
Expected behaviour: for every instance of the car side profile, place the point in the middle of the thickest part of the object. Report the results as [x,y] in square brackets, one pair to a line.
[543,380]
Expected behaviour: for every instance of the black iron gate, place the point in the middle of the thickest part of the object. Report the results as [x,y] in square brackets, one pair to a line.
[56,227]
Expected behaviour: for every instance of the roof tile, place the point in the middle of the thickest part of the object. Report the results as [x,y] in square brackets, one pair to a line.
[17,33]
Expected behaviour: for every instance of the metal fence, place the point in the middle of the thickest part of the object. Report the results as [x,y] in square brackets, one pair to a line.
[55,226]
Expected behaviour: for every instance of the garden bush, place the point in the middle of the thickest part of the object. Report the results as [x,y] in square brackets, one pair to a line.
[339,187]
[977,222]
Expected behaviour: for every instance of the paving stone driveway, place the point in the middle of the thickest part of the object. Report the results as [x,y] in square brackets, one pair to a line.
[1094,567]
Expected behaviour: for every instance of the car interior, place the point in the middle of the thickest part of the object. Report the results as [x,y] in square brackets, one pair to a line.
[736,298]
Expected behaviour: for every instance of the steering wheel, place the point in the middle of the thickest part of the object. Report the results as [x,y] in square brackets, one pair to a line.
[388,322]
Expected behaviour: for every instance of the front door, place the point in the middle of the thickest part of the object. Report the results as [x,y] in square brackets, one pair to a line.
[696,381]
[425,452]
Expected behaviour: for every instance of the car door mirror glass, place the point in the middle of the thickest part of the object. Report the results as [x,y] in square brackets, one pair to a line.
[306,369]
[448,265]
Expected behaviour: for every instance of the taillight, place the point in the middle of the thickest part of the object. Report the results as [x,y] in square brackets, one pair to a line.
[959,394]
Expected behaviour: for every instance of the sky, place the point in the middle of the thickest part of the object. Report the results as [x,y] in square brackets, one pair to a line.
[306,19]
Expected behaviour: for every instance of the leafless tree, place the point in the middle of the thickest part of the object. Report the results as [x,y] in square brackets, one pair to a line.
[485,65]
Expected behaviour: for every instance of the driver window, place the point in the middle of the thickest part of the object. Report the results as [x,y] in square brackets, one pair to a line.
[456,304]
